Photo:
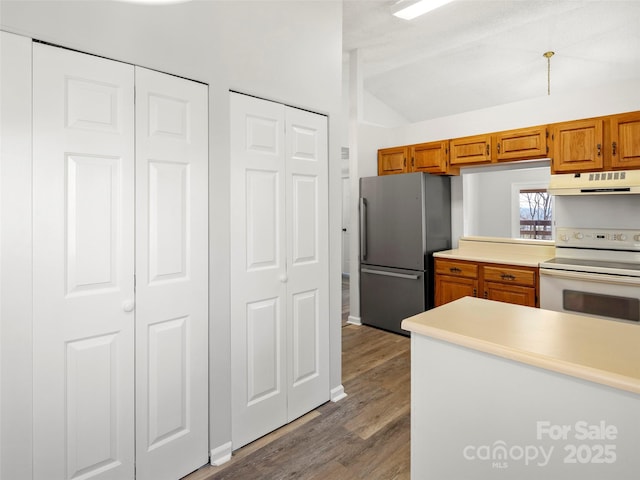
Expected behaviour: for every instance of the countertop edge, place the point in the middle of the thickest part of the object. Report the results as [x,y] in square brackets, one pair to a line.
[602,377]
[526,261]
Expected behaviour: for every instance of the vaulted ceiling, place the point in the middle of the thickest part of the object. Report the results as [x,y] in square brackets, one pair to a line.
[473,54]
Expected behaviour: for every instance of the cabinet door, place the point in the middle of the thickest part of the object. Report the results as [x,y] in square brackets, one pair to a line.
[471,150]
[450,288]
[577,146]
[525,143]
[430,157]
[392,160]
[510,293]
[625,140]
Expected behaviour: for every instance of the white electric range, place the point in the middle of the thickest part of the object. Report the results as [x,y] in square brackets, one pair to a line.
[596,272]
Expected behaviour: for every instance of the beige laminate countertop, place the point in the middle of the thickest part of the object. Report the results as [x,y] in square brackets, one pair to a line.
[601,351]
[511,252]
[507,258]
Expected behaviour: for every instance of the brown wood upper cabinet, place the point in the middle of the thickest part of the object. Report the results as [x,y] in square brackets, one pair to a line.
[522,144]
[587,145]
[578,146]
[392,160]
[471,150]
[432,157]
[625,140]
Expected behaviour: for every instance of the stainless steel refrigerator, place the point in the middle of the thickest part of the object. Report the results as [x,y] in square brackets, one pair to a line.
[404,219]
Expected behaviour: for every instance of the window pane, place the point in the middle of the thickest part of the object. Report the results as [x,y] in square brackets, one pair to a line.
[535,214]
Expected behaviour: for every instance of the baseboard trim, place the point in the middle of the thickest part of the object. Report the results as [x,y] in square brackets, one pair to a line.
[354,320]
[338,393]
[221,454]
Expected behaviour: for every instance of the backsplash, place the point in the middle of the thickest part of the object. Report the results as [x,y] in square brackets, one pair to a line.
[598,211]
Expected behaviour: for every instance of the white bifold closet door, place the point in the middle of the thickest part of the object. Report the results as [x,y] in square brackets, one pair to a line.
[279,265]
[120,275]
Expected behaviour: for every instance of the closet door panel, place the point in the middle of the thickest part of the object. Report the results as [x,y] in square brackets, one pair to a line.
[279,265]
[83,332]
[171,276]
[307,214]
[258,268]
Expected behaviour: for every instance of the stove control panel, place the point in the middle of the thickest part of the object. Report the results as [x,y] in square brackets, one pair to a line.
[619,239]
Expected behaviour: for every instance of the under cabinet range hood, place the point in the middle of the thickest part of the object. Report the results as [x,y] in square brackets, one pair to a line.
[596,183]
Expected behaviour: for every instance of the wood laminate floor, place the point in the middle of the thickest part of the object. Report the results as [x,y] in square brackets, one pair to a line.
[364,436]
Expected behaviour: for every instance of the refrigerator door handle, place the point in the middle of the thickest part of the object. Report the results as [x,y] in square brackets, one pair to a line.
[390,274]
[363,228]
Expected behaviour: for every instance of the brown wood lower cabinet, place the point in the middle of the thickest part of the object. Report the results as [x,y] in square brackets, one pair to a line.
[505,283]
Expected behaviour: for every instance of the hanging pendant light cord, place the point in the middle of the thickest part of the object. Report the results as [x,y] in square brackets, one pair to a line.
[548,56]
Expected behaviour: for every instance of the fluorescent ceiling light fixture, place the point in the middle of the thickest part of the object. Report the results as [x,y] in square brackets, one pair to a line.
[154,2]
[410,9]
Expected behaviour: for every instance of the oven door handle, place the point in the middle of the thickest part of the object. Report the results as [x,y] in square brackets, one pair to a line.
[591,277]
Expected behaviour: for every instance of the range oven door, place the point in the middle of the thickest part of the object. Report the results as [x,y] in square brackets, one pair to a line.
[593,294]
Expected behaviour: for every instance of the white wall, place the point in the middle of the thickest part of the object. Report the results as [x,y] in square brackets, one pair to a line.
[614,98]
[15,257]
[280,50]
[488,198]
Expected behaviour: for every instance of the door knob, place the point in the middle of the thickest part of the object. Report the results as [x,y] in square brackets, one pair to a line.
[128,305]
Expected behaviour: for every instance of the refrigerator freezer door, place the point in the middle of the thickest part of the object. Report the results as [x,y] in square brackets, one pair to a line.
[392,228]
[389,295]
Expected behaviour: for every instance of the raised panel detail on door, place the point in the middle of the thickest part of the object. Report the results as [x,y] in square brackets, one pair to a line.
[305,218]
[263,135]
[91,380]
[92,220]
[168,220]
[306,341]
[168,380]
[91,105]
[263,350]
[171,276]
[262,218]
[83,266]
[305,143]
[169,117]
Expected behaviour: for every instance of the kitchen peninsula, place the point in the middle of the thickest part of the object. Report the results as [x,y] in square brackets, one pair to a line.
[507,391]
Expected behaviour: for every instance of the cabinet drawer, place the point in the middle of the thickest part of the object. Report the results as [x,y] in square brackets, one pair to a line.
[447,267]
[510,275]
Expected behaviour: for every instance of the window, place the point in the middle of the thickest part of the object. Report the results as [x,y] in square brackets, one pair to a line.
[535,214]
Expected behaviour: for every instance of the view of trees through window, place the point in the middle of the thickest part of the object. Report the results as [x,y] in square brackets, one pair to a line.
[535,214]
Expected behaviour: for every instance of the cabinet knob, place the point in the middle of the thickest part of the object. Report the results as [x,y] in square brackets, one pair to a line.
[128,305]
[284,278]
